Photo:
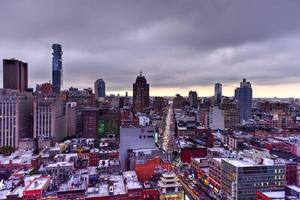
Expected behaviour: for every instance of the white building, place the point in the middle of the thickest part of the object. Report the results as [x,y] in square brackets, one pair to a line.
[215,118]
[135,138]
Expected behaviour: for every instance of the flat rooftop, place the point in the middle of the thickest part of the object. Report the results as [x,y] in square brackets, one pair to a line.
[38,184]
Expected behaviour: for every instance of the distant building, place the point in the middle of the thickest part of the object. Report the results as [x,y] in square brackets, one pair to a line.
[215,118]
[73,119]
[99,88]
[231,113]
[241,179]
[193,99]
[159,104]
[15,74]
[49,118]
[93,124]
[57,67]
[180,102]
[243,95]
[83,97]
[140,94]
[218,93]
[15,110]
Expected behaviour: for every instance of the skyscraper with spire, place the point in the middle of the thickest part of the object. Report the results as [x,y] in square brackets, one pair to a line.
[140,94]
[57,67]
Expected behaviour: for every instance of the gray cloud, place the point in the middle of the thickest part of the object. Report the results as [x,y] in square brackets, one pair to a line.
[176,43]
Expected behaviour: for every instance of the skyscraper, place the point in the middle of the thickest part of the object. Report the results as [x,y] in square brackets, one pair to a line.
[15,74]
[140,94]
[218,93]
[193,99]
[99,88]
[15,109]
[243,95]
[57,67]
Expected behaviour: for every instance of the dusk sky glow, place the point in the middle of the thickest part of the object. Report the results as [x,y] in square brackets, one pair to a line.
[179,45]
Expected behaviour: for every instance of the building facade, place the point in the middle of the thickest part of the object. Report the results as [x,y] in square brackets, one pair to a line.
[15,110]
[49,118]
[15,74]
[99,88]
[193,99]
[241,179]
[215,118]
[57,67]
[218,93]
[243,95]
[140,94]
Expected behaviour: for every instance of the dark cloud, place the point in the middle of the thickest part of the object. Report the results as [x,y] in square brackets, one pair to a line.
[175,43]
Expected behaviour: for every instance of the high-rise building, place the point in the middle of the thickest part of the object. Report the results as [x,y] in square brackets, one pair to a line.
[140,94]
[15,110]
[99,88]
[193,99]
[242,179]
[15,74]
[243,95]
[218,93]
[49,118]
[57,67]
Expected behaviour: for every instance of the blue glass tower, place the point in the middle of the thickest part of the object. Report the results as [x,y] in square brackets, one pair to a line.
[243,95]
[57,67]
[100,88]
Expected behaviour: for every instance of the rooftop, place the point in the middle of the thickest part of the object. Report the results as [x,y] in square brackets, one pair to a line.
[38,183]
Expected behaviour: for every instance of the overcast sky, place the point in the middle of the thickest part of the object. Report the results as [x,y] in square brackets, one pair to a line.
[179,45]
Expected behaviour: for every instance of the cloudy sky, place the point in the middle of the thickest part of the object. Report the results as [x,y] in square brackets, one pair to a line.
[179,45]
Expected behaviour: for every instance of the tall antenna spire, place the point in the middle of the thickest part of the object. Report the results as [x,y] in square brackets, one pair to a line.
[141,73]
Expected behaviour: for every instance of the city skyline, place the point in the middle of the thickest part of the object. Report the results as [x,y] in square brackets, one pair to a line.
[177,52]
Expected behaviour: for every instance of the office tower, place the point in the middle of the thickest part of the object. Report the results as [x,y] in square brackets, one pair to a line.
[14,117]
[242,179]
[193,99]
[218,93]
[243,94]
[15,74]
[57,67]
[49,118]
[99,88]
[140,94]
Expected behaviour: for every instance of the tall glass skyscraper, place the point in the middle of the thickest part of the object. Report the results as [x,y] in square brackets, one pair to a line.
[243,95]
[100,88]
[57,67]
[218,93]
